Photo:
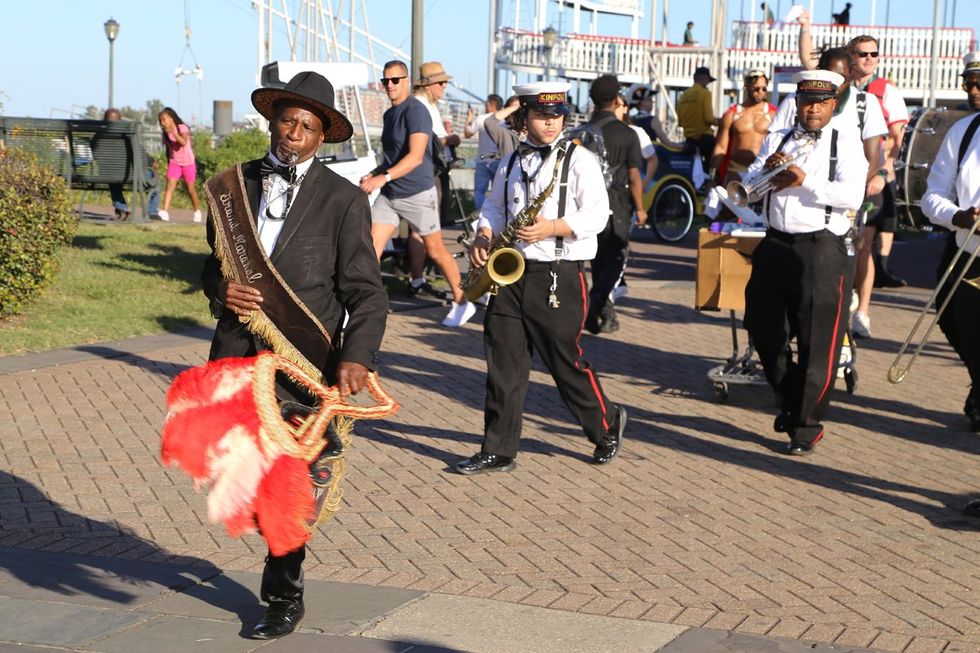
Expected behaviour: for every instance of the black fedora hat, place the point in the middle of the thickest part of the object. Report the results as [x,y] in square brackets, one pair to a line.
[314,92]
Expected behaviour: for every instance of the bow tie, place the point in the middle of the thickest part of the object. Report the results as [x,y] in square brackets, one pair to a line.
[799,133]
[526,148]
[288,173]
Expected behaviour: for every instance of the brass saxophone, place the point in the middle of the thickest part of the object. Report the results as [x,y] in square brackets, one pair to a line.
[506,264]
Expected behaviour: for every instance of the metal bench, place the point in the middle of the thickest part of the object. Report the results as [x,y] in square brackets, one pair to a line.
[91,155]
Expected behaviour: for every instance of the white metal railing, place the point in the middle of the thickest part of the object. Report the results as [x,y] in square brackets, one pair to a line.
[904,41]
[585,57]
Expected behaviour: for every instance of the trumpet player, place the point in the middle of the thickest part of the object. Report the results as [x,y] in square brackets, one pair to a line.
[801,272]
[544,309]
[952,200]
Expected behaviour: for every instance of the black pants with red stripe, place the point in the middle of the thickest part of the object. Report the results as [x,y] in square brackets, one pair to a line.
[799,288]
[518,322]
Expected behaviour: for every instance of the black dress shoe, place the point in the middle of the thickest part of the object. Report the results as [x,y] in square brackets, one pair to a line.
[485,462]
[780,424]
[281,618]
[612,440]
[888,280]
[799,449]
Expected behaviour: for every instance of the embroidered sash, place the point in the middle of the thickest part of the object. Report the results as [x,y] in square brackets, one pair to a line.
[283,322]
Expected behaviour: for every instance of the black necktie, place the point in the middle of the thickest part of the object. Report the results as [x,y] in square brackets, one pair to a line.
[288,173]
[525,148]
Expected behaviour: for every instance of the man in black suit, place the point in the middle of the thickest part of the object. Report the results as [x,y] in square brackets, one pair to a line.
[312,228]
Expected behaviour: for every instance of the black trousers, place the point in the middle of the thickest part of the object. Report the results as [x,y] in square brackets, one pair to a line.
[607,267]
[960,320]
[518,321]
[705,146]
[799,287]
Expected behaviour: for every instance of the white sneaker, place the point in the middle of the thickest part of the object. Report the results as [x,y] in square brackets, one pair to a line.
[460,314]
[163,215]
[855,302]
[861,325]
[619,292]
[197,216]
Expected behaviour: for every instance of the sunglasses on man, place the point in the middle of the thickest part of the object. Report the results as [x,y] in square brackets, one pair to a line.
[392,80]
[864,55]
[970,84]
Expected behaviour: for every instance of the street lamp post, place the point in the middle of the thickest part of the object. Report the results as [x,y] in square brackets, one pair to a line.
[549,38]
[111,31]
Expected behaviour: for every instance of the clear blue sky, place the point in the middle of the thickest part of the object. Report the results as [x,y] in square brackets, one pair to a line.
[61,51]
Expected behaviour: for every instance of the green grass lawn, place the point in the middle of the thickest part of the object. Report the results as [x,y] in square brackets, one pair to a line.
[116,281]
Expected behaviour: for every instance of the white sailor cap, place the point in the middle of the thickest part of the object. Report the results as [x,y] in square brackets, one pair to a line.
[756,72]
[544,97]
[971,63]
[818,83]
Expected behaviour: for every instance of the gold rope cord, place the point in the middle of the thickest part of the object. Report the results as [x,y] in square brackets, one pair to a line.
[306,441]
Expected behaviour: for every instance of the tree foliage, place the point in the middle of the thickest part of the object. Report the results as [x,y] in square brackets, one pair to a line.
[36,220]
[237,147]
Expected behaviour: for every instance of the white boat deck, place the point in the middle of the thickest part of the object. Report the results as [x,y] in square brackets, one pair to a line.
[906,56]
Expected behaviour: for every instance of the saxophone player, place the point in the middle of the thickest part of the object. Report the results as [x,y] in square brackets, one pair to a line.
[545,308]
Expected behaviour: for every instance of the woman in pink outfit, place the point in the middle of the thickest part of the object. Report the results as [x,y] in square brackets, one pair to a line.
[180,161]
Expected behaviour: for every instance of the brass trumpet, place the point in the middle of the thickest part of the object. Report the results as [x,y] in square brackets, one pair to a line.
[897,373]
[742,193]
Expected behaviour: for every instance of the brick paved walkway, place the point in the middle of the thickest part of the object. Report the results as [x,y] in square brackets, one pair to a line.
[700,522]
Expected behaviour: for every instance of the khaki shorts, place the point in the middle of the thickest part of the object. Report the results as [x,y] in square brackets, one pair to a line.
[420,211]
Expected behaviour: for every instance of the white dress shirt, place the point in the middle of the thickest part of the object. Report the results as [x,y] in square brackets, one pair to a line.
[586,204]
[948,191]
[274,197]
[801,209]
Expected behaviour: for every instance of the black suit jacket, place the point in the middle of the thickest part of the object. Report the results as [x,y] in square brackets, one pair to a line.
[325,254]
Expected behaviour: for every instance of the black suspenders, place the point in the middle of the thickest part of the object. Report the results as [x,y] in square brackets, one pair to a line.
[562,191]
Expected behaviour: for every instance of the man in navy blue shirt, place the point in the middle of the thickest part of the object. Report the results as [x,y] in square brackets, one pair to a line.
[407,187]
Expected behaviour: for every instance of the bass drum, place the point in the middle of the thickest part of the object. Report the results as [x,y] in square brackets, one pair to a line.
[924,135]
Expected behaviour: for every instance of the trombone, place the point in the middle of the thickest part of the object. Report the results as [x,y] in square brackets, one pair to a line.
[897,373]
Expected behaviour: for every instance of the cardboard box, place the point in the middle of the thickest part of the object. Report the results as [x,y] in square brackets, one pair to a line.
[724,267]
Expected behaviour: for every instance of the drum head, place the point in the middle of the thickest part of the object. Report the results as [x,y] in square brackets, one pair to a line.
[923,136]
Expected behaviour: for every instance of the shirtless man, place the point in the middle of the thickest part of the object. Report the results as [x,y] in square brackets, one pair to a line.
[743,128]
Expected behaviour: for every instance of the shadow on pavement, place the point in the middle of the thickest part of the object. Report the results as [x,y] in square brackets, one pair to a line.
[160,368]
[885,491]
[92,570]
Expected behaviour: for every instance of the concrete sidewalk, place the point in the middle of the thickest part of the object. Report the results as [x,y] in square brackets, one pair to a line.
[701,537]
[63,602]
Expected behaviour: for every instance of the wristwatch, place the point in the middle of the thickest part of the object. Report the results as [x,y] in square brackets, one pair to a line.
[884,174]
[387,177]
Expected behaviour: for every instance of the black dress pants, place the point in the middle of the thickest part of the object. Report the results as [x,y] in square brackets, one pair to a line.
[518,321]
[960,320]
[799,288]
[607,267]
